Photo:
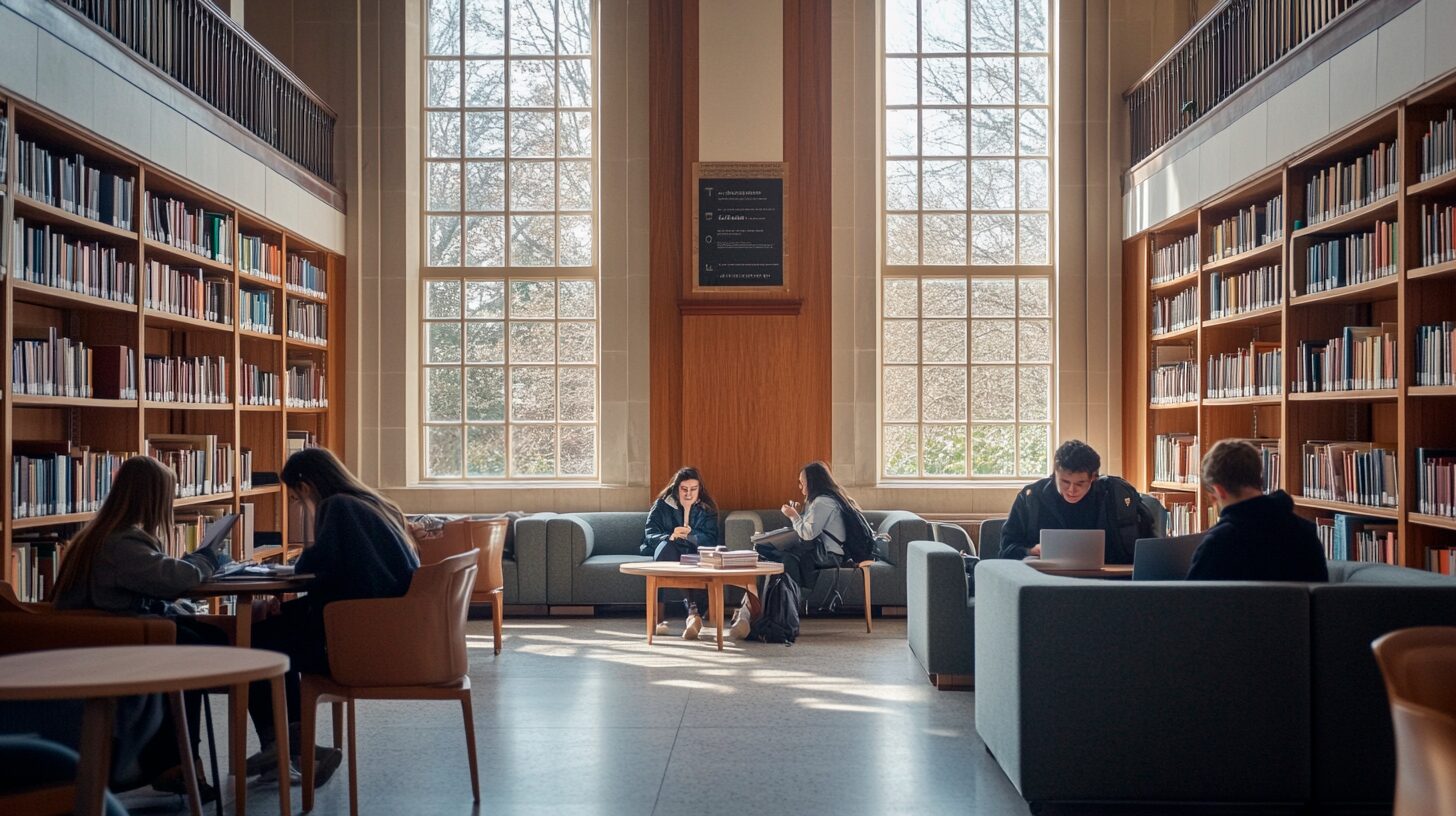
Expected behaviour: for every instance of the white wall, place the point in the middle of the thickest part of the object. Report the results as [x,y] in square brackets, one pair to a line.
[99,87]
[1401,55]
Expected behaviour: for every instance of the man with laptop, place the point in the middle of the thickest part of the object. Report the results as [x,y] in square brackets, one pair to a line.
[1074,505]
[1258,537]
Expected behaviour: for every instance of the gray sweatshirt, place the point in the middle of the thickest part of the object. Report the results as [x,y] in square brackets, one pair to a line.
[131,575]
[822,515]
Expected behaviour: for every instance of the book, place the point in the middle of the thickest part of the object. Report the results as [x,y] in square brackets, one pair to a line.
[113,372]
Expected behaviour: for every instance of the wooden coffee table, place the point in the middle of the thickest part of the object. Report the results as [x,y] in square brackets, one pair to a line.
[667,575]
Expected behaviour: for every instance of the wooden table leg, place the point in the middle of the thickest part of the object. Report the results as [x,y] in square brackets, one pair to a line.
[184,751]
[280,730]
[651,608]
[243,620]
[238,746]
[97,724]
[715,603]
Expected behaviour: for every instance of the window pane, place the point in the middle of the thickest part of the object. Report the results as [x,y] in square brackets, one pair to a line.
[533,342]
[944,394]
[485,134]
[993,297]
[993,184]
[1033,88]
[902,450]
[533,450]
[902,395]
[485,185]
[574,186]
[900,27]
[443,343]
[442,394]
[901,77]
[902,239]
[944,341]
[533,240]
[901,339]
[444,240]
[1035,186]
[943,26]
[944,297]
[485,84]
[1034,239]
[577,342]
[993,131]
[576,240]
[485,341]
[485,240]
[443,19]
[578,298]
[945,450]
[533,26]
[1033,131]
[993,392]
[1035,297]
[993,450]
[993,80]
[943,81]
[901,132]
[485,27]
[578,450]
[1033,26]
[945,185]
[444,186]
[993,341]
[442,299]
[485,450]
[533,134]
[575,134]
[533,299]
[902,185]
[945,132]
[993,25]
[444,84]
[578,394]
[576,83]
[444,136]
[1035,341]
[993,239]
[442,451]
[902,297]
[1034,394]
[533,393]
[533,83]
[485,298]
[485,394]
[533,185]
[1036,450]
[574,27]
[945,239]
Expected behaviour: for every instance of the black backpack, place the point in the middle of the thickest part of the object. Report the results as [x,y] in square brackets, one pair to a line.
[860,543]
[779,621]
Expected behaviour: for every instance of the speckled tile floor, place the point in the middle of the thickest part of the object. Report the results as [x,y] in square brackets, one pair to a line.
[580,716]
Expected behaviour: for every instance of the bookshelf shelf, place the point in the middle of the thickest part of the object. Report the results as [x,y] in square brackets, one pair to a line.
[1432,391]
[299,295]
[49,521]
[260,408]
[181,257]
[1256,317]
[1443,522]
[1172,406]
[309,344]
[206,498]
[1440,184]
[1442,270]
[1267,399]
[1178,486]
[1381,210]
[264,553]
[154,405]
[249,279]
[262,490]
[1264,252]
[1177,283]
[307,410]
[1347,507]
[1362,395]
[1379,289]
[43,295]
[72,223]
[161,318]
[36,401]
[1180,334]
[259,335]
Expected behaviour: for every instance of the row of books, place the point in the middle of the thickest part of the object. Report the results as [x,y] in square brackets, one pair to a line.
[1353,472]
[189,292]
[722,558]
[1436,481]
[1350,185]
[1182,518]
[255,310]
[1247,229]
[61,367]
[306,385]
[257,387]
[1245,292]
[56,478]
[1174,377]
[1269,460]
[1176,259]
[4,140]
[1255,371]
[1352,259]
[1352,538]
[203,464]
[187,379]
[66,181]
[1441,560]
[1438,234]
[1177,312]
[176,223]
[1363,357]
[1435,351]
[1438,147]
[259,258]
[304,277]
[35,561]
[51,258]
[308,321]
[1176,458]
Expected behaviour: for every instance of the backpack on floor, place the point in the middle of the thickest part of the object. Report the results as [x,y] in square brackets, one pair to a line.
[779,621]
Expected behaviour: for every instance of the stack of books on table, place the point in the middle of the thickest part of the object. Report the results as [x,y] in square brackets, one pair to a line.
[720,558]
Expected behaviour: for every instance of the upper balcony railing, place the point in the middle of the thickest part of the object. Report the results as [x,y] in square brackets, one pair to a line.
[1229,47]
[199,46]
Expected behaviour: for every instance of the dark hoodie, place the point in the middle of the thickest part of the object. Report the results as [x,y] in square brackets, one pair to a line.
[1260,539]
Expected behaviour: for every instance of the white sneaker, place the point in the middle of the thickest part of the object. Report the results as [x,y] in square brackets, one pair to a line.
[661,628]
[740,627]
[692,627]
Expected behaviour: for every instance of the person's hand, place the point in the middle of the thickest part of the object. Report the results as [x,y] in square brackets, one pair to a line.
[791,510]
[681,532]
[1036,551]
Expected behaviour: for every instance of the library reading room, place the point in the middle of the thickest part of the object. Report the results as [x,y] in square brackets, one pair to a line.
[728,407]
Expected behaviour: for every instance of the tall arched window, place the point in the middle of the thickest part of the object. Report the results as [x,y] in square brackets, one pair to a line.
[967,273]
[509,240]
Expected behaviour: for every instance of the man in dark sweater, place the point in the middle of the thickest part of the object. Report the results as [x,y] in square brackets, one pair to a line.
[1074,497]
[1257,537]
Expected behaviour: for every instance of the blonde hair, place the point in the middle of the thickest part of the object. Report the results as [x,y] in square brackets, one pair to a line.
[141,496]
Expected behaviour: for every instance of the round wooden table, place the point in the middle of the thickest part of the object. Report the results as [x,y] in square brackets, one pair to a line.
[100,675]
[667,575]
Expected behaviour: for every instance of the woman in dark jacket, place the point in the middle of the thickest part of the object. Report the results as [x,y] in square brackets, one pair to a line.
[361,549]
[670,535]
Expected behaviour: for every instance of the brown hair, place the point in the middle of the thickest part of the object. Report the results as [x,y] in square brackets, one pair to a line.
[818,481]
[141,496]
[705,499]
[1233,464]
[321,470]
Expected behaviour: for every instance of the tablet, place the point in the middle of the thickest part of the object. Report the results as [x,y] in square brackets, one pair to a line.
[218,530]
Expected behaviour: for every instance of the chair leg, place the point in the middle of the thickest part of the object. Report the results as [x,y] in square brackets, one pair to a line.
[353,760]
[308,724]
[469,713]
[869,627]
[497,614]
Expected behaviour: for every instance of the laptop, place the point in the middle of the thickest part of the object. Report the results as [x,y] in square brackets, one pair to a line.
[1164,559]
[1071,550]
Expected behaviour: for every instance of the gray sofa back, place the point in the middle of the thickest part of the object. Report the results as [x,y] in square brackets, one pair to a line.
[609,538]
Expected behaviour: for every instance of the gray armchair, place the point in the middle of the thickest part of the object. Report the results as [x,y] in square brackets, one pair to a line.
[940,617]
[584,552]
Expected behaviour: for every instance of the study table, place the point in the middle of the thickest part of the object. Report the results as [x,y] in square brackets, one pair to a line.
[99,675]
[670,575]
[1112,572]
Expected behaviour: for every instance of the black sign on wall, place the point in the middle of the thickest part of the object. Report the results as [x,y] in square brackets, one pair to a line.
[740,232]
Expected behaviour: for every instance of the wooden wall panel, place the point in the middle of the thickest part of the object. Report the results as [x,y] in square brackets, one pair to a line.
[745,394]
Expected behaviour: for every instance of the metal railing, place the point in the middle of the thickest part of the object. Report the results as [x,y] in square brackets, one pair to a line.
[196,44]
[1229,47]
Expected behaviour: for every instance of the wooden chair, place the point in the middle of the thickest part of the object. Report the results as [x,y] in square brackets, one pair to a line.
[489,537]
[864,569]
[1419,666]
[408,648]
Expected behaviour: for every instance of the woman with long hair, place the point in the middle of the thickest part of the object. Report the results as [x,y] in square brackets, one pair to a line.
[119,563]
[819,521]
[361,549]
[682,519]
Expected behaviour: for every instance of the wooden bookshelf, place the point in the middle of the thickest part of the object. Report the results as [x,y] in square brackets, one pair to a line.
[27,309]
[1404,418]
